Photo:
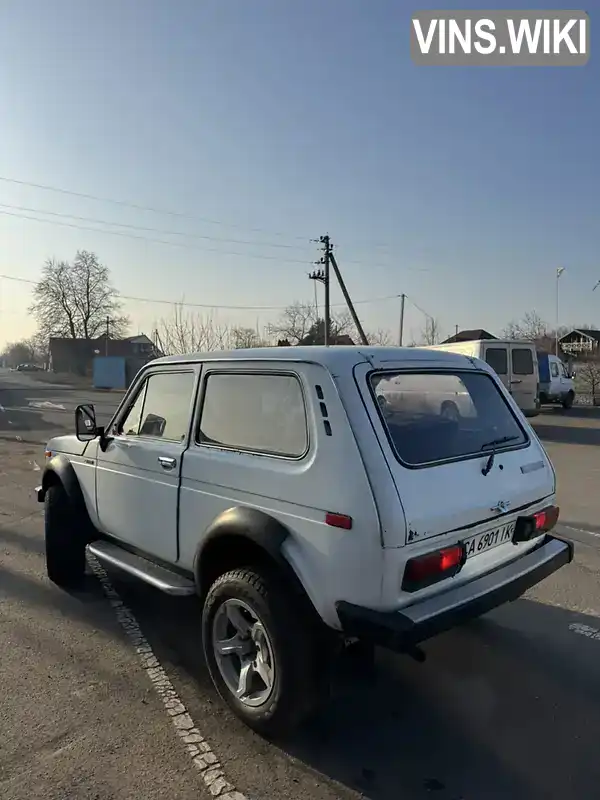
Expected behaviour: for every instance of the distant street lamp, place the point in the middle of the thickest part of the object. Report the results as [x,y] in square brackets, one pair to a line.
[559,272]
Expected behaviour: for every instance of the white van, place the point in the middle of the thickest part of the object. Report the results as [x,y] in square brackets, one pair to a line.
[515,362]
[556,382]
[311,497]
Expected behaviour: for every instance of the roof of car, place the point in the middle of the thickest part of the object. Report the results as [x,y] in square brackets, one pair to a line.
[334,356]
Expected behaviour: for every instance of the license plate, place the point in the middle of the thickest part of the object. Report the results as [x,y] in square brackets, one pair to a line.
[489,539]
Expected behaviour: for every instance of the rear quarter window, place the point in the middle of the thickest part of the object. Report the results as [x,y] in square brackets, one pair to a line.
[256,412]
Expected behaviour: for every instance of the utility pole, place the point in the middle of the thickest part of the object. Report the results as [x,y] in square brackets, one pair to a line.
[353,314]
[107,336]
[318,275]
[456,330]
[322,275]
[401,330]
[326,242]
[559,272]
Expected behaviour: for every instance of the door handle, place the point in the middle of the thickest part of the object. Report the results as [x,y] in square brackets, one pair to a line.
[513,383]
[166,462]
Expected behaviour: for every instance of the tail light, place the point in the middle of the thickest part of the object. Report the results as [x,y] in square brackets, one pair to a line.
[531,527]
[546,520]
[426,570]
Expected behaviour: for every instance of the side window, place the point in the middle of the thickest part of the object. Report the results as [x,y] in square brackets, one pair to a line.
[257,412]
[563,370]
[497,358]
[163,407]
[554,369]
[522,361]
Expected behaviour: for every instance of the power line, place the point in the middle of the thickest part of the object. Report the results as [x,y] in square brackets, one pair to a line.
[418,307]
[138,207]
[150,229]
[185,245]
[171,213]
[209,305]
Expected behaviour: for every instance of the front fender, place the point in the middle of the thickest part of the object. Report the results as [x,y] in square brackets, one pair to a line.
[60,470]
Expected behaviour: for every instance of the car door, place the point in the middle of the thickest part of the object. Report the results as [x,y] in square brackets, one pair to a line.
[138,474]
[566,381]
[524,376]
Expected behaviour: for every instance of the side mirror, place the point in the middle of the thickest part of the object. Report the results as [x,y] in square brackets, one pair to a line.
[85,423]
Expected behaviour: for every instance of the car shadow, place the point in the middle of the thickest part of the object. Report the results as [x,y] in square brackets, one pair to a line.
[20,540]
[577,412]
[15,421]
[481,718]
[568,434]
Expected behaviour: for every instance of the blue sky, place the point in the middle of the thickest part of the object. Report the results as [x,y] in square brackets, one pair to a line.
[280,120]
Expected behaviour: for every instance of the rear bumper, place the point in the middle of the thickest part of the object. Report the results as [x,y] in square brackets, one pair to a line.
[401,630]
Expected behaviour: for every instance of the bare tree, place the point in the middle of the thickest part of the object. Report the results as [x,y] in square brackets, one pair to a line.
[299,322]
[75,299]
[379,337]
[531,327]
[21,352]
[588,373]
[431,332]
[294,323]
[246,337]
[192,332]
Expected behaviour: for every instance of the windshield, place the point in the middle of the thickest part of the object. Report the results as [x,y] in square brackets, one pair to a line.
[435,416]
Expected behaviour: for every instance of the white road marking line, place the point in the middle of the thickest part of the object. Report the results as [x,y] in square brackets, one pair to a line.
[581,530]
[200,751]
[2,409]
[585,630]
[46,404]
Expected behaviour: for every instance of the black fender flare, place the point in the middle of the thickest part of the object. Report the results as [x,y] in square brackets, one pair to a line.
[250,523]
[59,469]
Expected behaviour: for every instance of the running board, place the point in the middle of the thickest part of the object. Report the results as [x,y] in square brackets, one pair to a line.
[160,577]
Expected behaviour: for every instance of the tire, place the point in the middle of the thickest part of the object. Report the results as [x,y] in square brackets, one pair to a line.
[567,403]
[65,545]
[287,643]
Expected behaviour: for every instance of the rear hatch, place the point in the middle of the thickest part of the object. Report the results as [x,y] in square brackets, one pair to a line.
[459,454]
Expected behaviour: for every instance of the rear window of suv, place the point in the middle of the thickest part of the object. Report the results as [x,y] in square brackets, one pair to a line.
[432,417]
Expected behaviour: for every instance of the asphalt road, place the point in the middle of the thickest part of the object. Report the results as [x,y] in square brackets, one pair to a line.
[507,707]
[34,411]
